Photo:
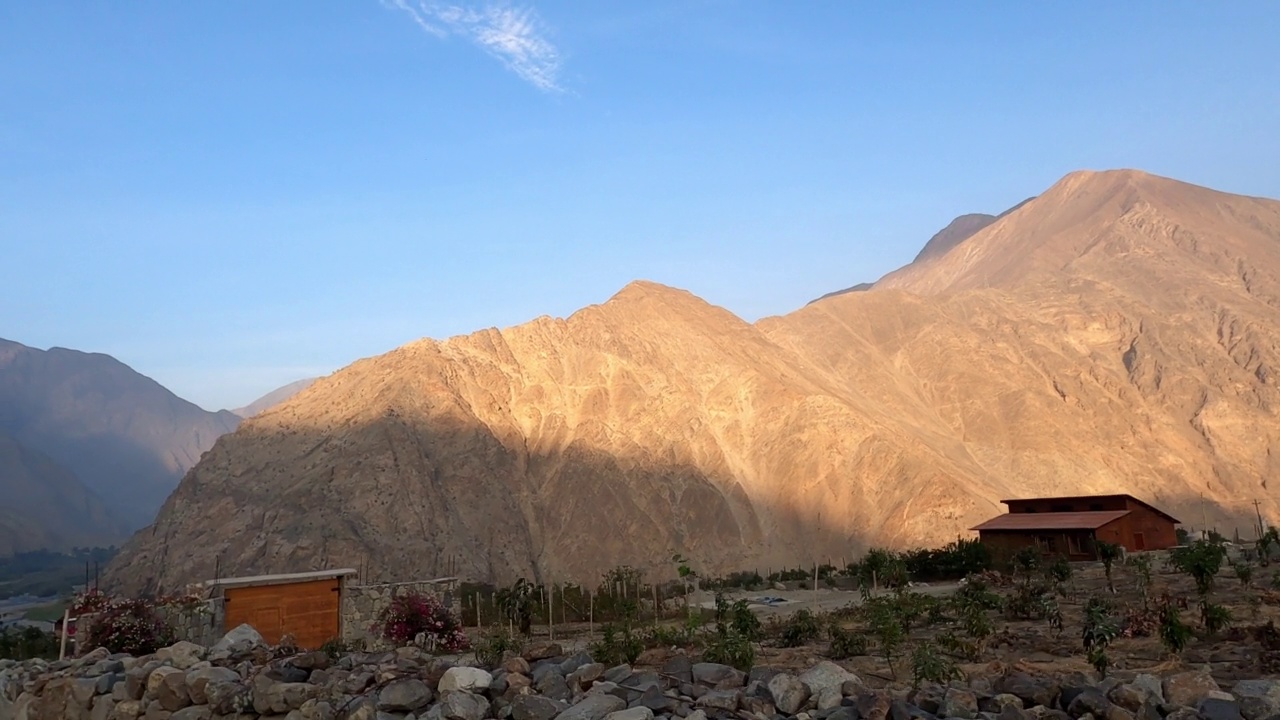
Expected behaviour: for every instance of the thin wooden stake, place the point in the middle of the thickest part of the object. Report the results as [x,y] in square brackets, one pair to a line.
[62,646]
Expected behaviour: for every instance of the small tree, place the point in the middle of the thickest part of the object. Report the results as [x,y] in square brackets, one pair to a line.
[1269,539]
[1174,634]
[928,666]
[1201,560]
[516,604]
[1108,553]
[1142,566]
[886,626]
[1099,630]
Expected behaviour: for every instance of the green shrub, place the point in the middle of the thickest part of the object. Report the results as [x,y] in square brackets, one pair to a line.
[950,562]
[802,628]
[27,643]
[928,666]
[618,645]
[1201,560]
[1216,618]
[494,645]
[738,616]
[1098,632]
[846,644]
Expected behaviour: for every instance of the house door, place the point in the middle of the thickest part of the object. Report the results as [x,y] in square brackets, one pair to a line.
[1139,542]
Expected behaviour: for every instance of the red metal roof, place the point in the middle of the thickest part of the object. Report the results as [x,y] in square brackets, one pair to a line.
[1053,520]
[1140,501]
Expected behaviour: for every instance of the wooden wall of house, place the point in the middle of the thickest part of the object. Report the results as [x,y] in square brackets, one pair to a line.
[1004,543]
[1158,532]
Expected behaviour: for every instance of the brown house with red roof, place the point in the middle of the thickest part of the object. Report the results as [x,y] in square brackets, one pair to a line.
[1071,526]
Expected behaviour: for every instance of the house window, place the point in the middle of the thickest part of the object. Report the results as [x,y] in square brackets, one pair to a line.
[1075,545]
[1095,506]
[1062,507]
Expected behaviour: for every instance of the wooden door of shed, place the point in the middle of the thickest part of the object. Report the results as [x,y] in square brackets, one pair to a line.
[306,610]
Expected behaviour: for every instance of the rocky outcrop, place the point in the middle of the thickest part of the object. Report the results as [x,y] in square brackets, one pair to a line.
[1118,333]
[243,679]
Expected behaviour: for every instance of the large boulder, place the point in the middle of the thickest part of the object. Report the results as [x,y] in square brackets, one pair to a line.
[270,696]
[535,707]
[718,676]
[1186,689]
[593,707]
[199,678]
[788,692]
[181,654]
[1259,699]
[827,674]
[404,695]
[238,641]
[460,705]
[1032,691]
[227,697]
[465,679]
[168,687]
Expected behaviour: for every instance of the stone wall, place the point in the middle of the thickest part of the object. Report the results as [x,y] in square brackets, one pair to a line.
[201,625]
[362,603]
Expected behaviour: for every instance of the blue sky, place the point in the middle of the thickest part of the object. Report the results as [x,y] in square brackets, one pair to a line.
[232,195]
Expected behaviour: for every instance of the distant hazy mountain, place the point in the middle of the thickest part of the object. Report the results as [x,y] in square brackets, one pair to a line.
[273,398]
[126,438]
[46,506]
[956,232]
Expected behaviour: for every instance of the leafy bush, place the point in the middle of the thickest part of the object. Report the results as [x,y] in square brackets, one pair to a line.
[928,666]
[885,625]
[1174,634]
[1244,572]
[415,618]
[495,644]
[1201,560]
[1108,553]
[738,616]
[1215,617]
[618,645]
[27,643]
[128,626]
[950,562]
[516,604]
[729,647]
[1098,632]
[800,629]
[846,644]
[337,647]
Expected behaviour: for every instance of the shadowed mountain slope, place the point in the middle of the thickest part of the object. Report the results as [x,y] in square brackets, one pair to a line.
[127,438]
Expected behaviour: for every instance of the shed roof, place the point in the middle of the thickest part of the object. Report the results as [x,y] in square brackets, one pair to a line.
[1052,520]
[1065,498]
[284,579]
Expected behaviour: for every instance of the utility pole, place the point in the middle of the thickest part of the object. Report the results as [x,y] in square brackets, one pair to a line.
[1204,516]
[1257,510]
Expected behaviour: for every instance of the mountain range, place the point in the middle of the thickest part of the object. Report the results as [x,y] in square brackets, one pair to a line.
[89,448]
[1119,332]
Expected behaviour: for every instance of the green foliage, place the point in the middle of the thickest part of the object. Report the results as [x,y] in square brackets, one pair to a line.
[967,649]
[1174,633]
[516,604]
[27,643]
[1244,572]
[884,568]
[1215,617]
[950,562]
[1141,565]
[885,624]
[129,626]
[1026,561]
[1099,630]
[1201,560]
[928,666]
[335,648]
[802,628]
[1270,538]
[1058,571]
[495,644]
[1108,553]
[846,644]
[618,645]
[739,618]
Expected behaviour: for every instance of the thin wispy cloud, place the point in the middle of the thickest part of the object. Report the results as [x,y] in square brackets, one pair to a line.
[515,36]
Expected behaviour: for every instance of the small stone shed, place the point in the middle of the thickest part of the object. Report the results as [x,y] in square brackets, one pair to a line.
[306,605]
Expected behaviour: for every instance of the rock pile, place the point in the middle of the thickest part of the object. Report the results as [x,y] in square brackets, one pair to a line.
[240,677]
